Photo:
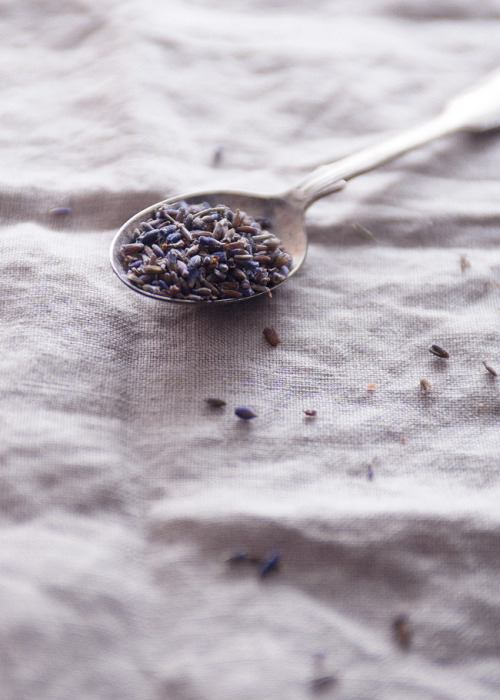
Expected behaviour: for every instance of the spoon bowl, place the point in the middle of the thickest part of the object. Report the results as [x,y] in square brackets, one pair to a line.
[476,110]
[286,213]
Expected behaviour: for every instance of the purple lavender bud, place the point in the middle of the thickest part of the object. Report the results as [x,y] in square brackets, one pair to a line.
[173,237]
[171,260]
[270,564]
[167,230]
[192,278]
[208,242]
[245,413]
[194,262]
[148,237]
[182,268]
[60,211]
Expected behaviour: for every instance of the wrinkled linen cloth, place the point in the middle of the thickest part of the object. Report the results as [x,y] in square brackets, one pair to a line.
[123,493]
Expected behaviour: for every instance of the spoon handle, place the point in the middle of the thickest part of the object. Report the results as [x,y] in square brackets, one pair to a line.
[477,109]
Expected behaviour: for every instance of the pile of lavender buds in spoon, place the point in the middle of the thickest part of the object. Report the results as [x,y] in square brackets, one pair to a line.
[203,253]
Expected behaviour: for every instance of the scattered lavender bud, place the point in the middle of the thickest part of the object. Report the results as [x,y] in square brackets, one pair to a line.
[310,412]
[402,632]
[60,211]
[270,564]
[237,558]
[216,403]
[245,413]
[271,336]
[425,384]
[490,369]
[439,352]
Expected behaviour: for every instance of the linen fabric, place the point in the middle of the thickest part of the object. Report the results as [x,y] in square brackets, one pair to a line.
[123,493]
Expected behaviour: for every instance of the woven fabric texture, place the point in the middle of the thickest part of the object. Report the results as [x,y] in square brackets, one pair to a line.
[122,492]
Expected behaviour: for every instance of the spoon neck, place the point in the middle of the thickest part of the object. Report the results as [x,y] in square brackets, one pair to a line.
[333,176]
[310,188]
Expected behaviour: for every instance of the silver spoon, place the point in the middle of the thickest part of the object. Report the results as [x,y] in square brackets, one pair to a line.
[476,110]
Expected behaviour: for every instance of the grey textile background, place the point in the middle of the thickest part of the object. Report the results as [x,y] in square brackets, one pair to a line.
[122,493]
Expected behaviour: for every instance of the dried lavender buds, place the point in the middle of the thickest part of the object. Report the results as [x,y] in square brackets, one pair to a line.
[197,252]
